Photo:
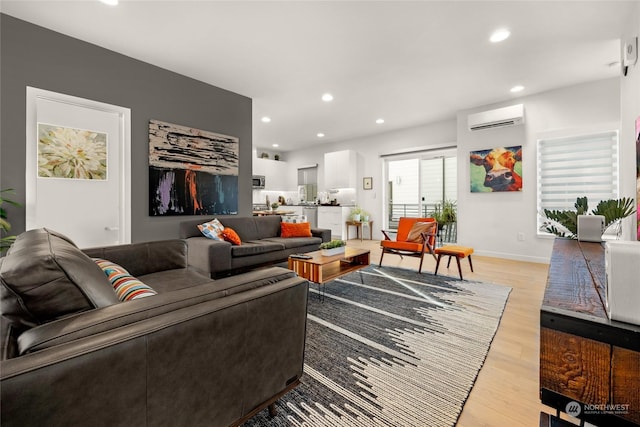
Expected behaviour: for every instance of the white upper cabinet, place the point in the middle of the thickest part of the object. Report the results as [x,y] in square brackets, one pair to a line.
[275,173]
[341,169]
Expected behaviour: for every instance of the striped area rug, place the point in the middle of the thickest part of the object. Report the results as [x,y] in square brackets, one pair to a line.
[391,347]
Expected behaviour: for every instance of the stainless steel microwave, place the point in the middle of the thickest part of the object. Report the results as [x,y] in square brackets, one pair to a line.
[258,181]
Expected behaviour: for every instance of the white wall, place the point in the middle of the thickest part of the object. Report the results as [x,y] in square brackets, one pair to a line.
[629,112]
[370,149]
[490,222]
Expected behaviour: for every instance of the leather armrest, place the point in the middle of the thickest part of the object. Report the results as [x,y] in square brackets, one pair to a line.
[209,256]
[323,233]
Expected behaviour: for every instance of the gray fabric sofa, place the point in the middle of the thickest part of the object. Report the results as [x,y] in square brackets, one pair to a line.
[261,245]
[201,352]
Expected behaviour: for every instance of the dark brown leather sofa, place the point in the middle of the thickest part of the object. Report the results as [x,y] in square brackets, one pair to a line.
[200,353]
[262,244]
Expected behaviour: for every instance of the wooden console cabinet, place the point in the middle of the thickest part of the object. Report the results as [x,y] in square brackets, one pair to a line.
[584,356]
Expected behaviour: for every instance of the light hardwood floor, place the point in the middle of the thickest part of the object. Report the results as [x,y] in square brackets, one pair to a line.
[506,391]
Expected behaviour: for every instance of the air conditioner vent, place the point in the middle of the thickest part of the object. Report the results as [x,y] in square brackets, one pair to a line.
[501,117]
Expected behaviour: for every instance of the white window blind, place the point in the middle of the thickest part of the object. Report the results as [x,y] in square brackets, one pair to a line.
[577,166]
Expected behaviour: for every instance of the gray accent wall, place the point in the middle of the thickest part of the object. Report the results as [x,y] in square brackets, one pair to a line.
[41,58]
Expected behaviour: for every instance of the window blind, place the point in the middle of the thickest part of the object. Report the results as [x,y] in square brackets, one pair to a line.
[576,166]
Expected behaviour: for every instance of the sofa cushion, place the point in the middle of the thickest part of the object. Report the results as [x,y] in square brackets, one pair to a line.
[172,280]
[126,287]
[256,247]
[296,242]
[146,257]
[45,276]
[302,229]
[255,227]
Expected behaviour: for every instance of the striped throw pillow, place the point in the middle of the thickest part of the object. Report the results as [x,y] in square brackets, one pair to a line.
[126,286]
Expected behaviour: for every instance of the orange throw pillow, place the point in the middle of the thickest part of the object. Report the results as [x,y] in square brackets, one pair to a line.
[231,236]
[290,229]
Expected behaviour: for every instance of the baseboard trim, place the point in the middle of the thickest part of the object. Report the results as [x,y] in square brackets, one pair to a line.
[514,257]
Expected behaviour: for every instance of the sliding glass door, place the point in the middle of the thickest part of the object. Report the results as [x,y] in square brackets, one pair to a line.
[423,185]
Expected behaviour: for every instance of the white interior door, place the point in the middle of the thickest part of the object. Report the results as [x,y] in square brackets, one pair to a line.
[78,168]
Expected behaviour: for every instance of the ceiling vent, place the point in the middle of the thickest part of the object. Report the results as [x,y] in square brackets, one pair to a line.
[500,117]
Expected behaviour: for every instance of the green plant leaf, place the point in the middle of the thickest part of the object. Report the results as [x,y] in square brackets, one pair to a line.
[567,220]
[613,210]
[582,206]
[565,223]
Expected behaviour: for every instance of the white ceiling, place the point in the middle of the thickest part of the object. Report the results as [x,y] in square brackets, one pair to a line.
[410,62]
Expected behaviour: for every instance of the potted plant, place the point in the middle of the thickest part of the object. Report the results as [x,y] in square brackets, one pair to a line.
[564,223]
[333,247]
[445,213]
[274,206]
[5,227]
[356,213]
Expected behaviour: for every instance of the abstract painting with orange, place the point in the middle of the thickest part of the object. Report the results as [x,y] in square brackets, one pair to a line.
[191,171]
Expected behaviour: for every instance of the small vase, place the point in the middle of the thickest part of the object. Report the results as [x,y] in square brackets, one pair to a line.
[356,217]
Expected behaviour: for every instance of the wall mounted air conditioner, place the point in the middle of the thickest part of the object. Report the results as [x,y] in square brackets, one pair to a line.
[500,117]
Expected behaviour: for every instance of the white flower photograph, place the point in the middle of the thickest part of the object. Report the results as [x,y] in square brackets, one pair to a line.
[70,153]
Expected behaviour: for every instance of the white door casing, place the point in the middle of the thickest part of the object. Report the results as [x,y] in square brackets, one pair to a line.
[92,212]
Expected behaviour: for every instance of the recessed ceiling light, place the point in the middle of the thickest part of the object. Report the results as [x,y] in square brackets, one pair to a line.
[499,35]
[517,88]
[327,97]
[266,119]
[110,2]
[275,145]
[380,121]
[320,135]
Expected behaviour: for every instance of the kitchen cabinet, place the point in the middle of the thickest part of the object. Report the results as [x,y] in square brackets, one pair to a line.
[334,218]
[275,173]
[341,169]
[297,210]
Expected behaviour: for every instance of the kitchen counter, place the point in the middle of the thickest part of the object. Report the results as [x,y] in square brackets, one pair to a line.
[276,212]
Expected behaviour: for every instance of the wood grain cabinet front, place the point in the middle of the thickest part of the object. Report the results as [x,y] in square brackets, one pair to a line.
[587,362]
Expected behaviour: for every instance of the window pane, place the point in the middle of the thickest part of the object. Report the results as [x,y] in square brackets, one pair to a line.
[432,185]
[577,166]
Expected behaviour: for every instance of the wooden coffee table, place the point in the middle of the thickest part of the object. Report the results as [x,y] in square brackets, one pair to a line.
[322,269]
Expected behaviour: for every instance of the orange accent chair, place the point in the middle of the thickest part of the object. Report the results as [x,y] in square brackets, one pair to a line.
[415,248]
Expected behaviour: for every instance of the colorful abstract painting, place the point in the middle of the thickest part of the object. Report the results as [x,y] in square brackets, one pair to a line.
[191,171]
[496,169]
[71,153]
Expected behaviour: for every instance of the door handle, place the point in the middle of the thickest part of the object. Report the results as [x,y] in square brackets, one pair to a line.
[112,228]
